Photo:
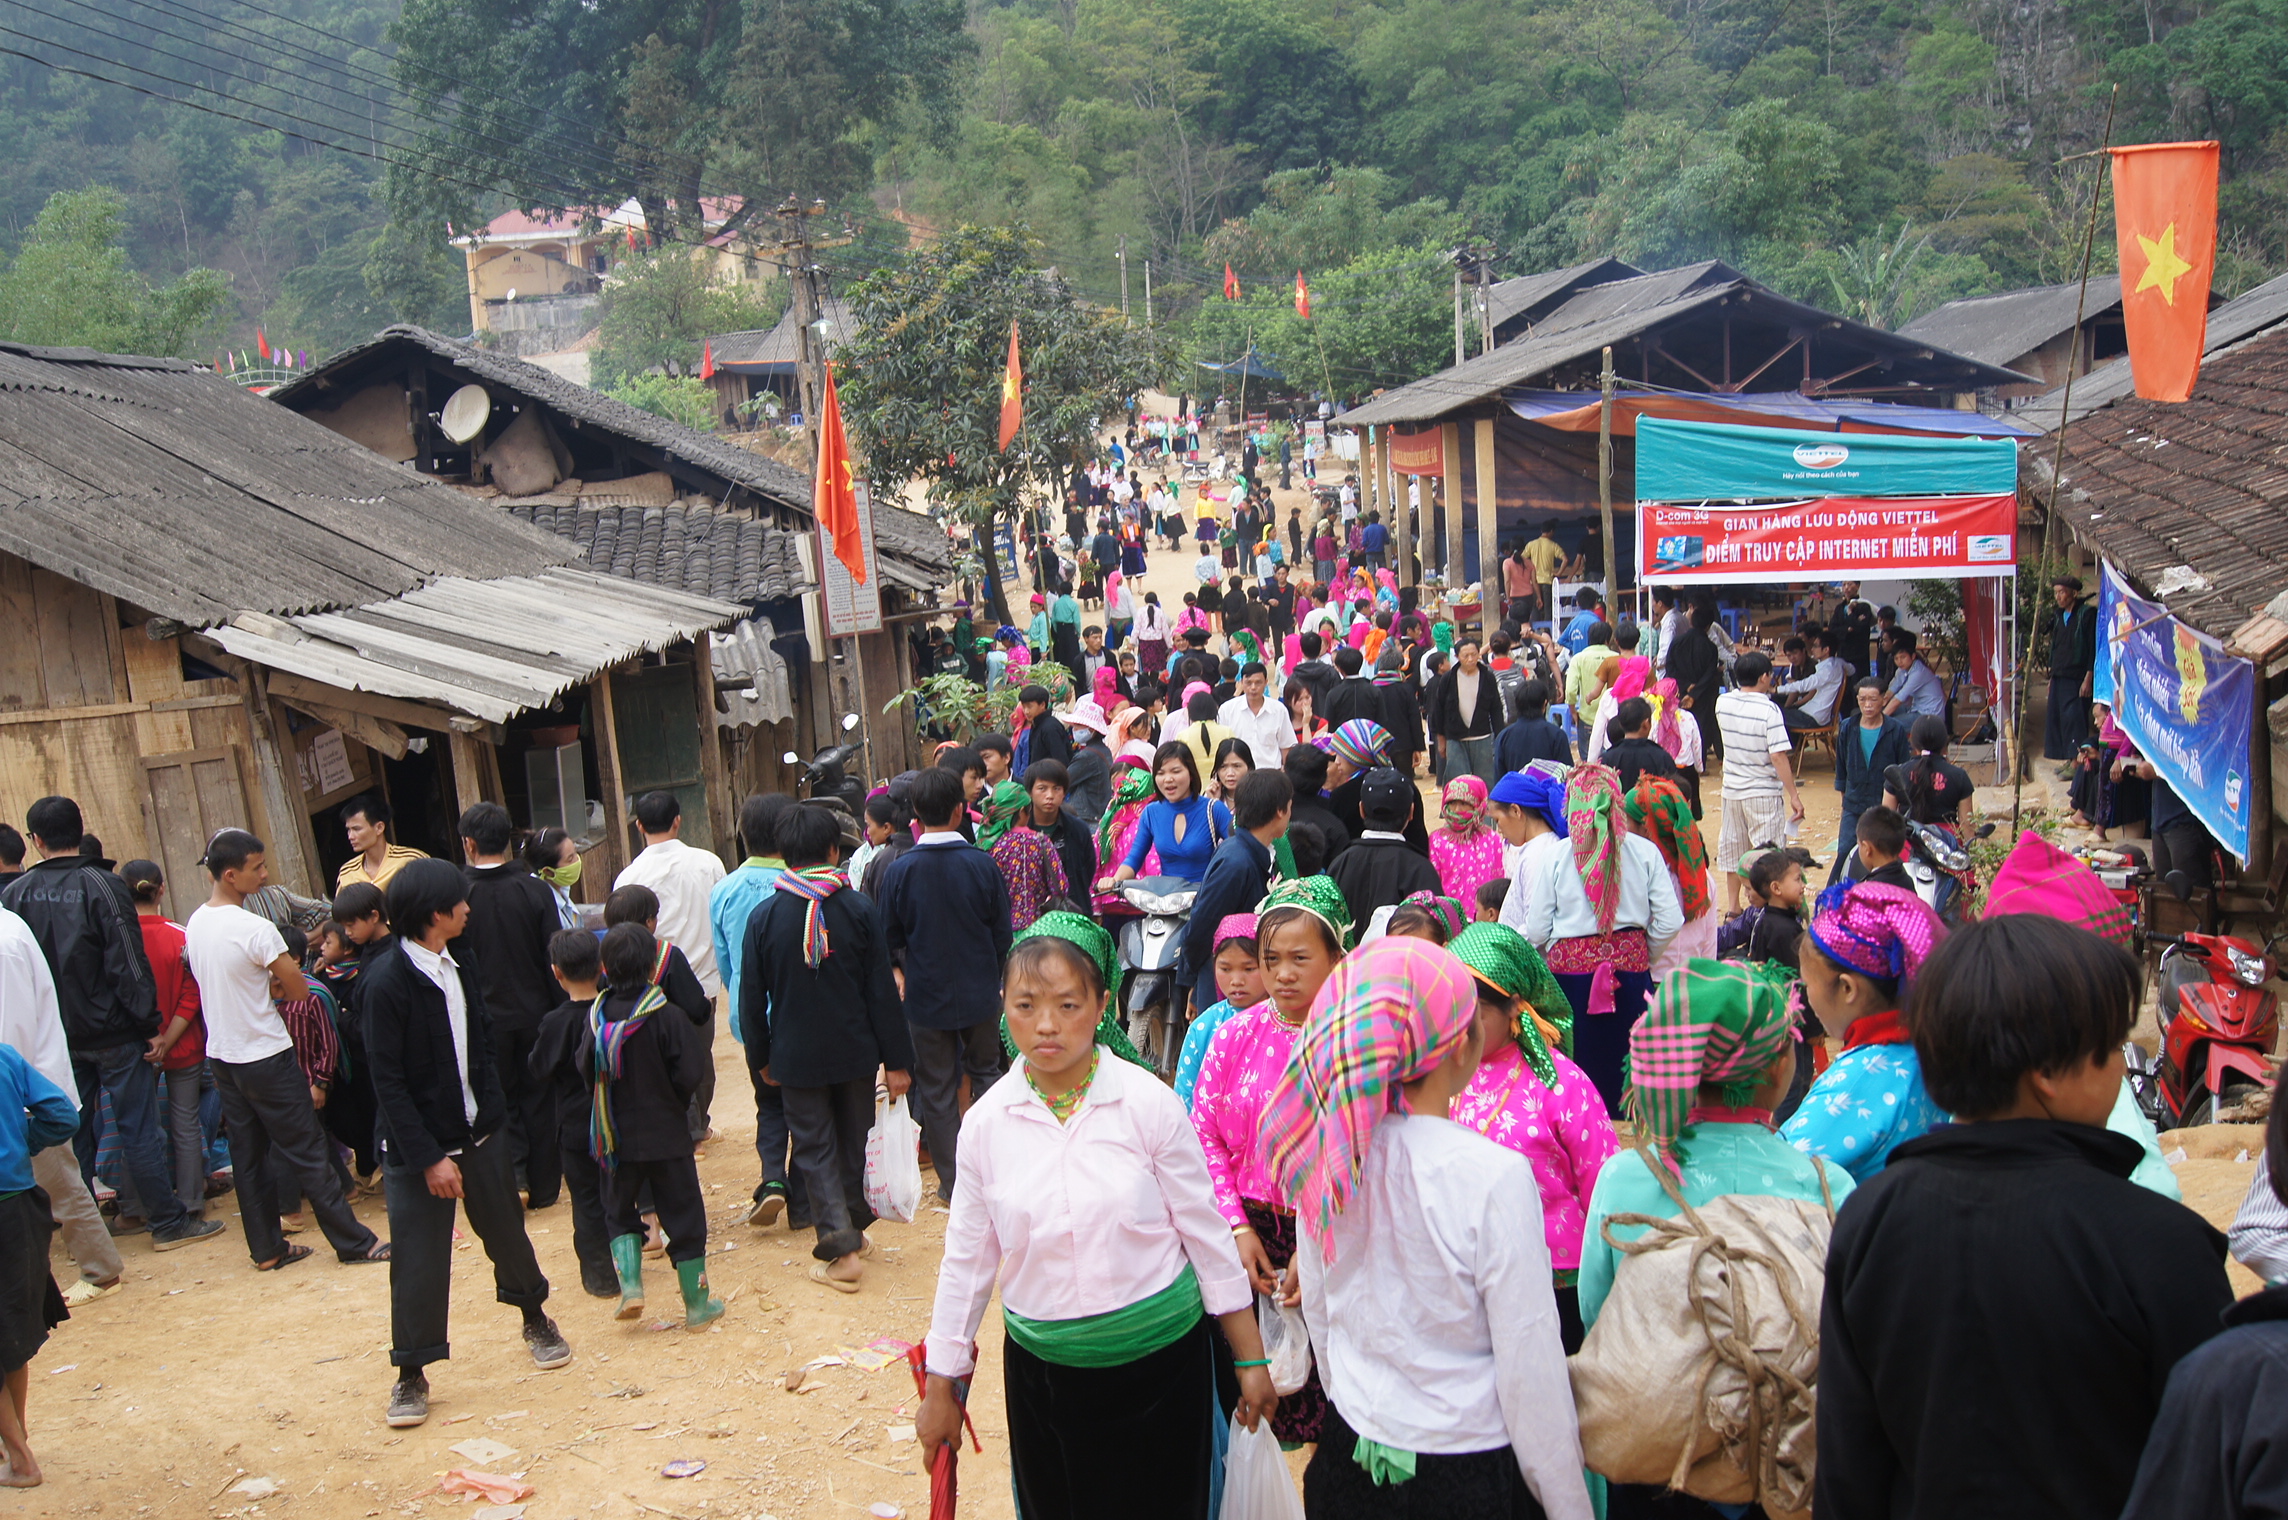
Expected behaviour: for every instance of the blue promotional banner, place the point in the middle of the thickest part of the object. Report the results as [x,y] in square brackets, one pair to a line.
[1714,461]
[2185,703]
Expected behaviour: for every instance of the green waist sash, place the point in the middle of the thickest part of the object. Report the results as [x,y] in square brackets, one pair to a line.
[1117,1338]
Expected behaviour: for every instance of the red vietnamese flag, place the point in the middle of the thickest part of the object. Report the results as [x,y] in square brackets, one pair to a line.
[1012,393]
[834,494]
[1302,297]
[262,345]
[2164,223]
[707,361]
[1230,283]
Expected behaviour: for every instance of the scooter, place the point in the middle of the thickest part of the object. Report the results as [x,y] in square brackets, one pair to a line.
[2218,1022]
[825,775]
[1150,945]
[1937,860]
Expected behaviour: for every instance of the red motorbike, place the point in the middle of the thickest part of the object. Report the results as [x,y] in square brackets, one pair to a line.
[2218,1022]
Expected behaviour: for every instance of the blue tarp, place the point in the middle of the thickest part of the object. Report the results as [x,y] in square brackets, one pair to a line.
[1252,365]
[1777,406]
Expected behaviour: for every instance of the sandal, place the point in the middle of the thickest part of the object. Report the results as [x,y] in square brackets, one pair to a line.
[819,1274]
[294,1253]
[380,1252]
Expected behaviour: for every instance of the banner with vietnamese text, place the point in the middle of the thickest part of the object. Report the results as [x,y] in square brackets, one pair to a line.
[1719,461]
[1833,538]
[2185,703]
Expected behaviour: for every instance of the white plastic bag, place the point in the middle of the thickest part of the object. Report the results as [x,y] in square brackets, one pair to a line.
[1255,1481]
[893,1162]
[1286,1341]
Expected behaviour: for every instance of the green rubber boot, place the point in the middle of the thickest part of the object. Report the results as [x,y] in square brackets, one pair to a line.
[627,1257]
[698,1308]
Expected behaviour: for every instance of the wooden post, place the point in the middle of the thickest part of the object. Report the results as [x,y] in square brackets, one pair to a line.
[468,771]
[608,777]
[724,805]
[304,832]
[1402,528]
[1450,453]
[293,868]
[1489,525]
[1605,475]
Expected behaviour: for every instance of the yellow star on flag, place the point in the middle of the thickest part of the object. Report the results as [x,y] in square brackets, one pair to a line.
[1008,387]
[2164,266]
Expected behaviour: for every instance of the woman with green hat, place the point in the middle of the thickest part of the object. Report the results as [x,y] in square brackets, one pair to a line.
[1529,1096]
[1083,1192]
[1027,860]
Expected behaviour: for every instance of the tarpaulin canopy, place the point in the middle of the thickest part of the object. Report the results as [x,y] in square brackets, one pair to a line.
[1700,461]
[1832,538]
[1576,412]
[1252,364]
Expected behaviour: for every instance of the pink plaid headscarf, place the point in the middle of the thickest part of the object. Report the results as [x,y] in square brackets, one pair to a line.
[1596,823]
[1876,930]
[2041,878]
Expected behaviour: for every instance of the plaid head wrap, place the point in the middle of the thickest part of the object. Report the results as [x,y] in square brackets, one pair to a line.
[1004,805]
[1315,895]
[1448,911]
[1131,787]
[1667,730]
[1363,742]
[814,885]
[1713,1021]
[1876,930]
[1093,942]
[1657,807]
[1596,823]
[1506,961]
[2041,878]
[1463,805]
[1387,1015]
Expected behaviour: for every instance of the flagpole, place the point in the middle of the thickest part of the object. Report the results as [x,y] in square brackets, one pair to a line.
[2019,759]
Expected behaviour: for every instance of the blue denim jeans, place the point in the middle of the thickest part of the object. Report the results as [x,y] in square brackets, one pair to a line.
[133,1086]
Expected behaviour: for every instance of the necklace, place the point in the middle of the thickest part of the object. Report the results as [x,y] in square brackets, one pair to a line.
[1064,1105]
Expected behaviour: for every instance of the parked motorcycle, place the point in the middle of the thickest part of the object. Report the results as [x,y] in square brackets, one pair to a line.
[826,775]
[2218,1022]
[1150,945]
[1938,860]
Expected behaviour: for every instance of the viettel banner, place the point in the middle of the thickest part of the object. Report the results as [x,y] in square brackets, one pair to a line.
[1714,461]
[1834,538]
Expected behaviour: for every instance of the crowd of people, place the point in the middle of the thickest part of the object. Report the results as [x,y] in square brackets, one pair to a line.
[1441,1091]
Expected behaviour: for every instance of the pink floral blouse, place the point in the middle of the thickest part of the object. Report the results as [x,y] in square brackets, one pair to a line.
[1466,864]
[1563,1134]
[1243,1062]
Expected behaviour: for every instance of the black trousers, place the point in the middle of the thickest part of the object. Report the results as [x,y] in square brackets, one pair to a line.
[591,1231]
[1134,1442]
[2187,847]
[349,1111]
[1478,1485]
[941,1058]
[421,1248]
[2067,722]
[829,1125]
[675,1195]
[532,1111]
[703,1101]
[772,1145]
[275,1141]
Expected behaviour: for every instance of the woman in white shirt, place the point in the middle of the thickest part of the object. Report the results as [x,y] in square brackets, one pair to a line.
[1600,912]
[1423,1272]
[1083,1186]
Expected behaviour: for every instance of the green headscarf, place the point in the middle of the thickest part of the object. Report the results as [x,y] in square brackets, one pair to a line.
[1712,1022]
[1096,944]
[1317,896]
[1506,961]
[1131,784]
[1003,807]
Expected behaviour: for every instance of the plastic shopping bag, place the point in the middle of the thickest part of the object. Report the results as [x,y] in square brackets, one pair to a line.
[1255,1481]
[893,1162]
[1286,1341]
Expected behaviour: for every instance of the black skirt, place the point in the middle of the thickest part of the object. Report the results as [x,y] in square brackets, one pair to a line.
[1478,1485]
[30,1304]
[1133,1442]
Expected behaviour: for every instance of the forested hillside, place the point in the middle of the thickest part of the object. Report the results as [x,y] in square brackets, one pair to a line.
[1877,156]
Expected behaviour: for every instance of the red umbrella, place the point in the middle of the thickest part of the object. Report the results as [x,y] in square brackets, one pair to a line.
[942,1483]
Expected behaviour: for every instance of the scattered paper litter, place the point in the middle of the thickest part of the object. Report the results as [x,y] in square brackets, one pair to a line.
[882,1510]
[484,1485]
[501,1511]
[255,1488]
[482,1450]
[900,1434]
[66,1367]
[875,1354]
[690,1467]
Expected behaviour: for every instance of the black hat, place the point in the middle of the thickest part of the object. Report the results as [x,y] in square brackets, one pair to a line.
[1383,797]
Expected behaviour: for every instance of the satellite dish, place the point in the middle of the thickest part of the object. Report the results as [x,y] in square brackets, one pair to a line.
[466,412]
[512,292]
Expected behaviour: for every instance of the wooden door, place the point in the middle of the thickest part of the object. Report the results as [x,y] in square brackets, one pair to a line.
[187,797]
[657,717]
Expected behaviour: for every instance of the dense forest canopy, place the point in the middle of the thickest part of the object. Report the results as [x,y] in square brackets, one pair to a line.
[1874,156]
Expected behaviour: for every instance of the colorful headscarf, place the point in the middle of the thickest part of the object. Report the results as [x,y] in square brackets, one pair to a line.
[1667,730]
[1596,823]
[1363,742]
[1506,961]
[1464,805]
[1317,896]
[2040,878]
[1541,787]
[1096,944]
[1657,807]
[1387,1015]
[814,885]
[1712,1021]
[1004,805]
[1245,648]
[1131,785]
[1448,911]
[1233,926]
[1876,930]
[1106,688]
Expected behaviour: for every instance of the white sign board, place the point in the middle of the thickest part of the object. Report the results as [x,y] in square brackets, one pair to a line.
[848,606]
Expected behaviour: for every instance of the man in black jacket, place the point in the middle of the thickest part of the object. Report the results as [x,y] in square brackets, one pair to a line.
[511,916]
[1381,869]
[2072,629]
[1531,736]
[1468,715]
[84,918]
[437,1086]
[1314,673]
[1354,696]
[819,1024]
[1074,836]
[1306,768]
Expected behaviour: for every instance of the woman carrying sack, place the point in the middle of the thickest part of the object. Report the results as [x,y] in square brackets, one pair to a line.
[1083,1191]
[1421,1271]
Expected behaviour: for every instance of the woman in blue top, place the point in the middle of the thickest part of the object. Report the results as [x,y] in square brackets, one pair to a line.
[1183,825]
[34,1115]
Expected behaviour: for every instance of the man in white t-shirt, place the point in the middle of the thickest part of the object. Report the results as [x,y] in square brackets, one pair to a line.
[681,878]
[1760,798]
[241,965]
[1257,718]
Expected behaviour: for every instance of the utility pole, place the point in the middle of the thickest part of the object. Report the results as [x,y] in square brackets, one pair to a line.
[1485,301]
[1605,471]
[1461,350]
[1124,277]
[1147,292]
[797,253]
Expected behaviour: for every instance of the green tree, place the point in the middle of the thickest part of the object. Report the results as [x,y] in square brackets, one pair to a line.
[921,381]
[71,285]
[659,308]
[690,402]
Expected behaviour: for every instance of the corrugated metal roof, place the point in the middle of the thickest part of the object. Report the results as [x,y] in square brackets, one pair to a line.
[771,350]
[2243,317]
[1618,310]
[491,649]
[1525,295]
[1999,328]
[167,486]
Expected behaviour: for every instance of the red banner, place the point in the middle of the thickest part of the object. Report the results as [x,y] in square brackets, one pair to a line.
[1422,453]
[1831,538]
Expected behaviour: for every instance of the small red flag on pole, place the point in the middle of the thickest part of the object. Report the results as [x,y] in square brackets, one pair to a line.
[835,494]
[707,361]
[1302,297]
[1012,393]
[262,345]
[2164,220]
[1230,283]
